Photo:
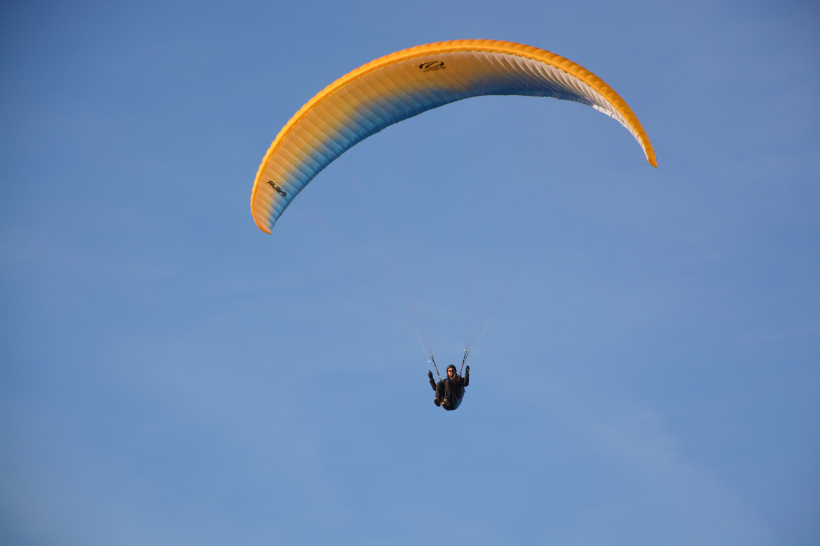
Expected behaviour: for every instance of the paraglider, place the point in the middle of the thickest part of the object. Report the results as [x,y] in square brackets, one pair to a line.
[408,83]
[450,390]
[405,84]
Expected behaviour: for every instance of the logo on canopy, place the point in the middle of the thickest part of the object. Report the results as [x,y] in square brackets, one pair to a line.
[279,190]
[432,65]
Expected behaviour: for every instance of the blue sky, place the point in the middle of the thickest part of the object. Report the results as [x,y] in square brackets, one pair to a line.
[171,375]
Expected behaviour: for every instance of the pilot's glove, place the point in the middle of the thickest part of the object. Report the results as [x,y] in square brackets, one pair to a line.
[468,369]
[430,374]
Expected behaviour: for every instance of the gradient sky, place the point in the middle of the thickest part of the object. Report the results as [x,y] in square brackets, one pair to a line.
[170,375]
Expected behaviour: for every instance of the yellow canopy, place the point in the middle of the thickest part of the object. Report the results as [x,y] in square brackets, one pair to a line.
[407,83]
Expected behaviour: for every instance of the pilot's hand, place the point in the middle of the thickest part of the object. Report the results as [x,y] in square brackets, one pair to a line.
[468,369]
[430,374]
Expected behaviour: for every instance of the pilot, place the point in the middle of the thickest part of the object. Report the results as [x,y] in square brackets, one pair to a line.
[450,391]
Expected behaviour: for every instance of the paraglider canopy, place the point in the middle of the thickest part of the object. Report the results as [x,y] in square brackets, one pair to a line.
[407,83]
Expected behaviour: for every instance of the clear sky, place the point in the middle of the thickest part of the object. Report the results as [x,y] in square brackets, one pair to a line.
[170,375]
